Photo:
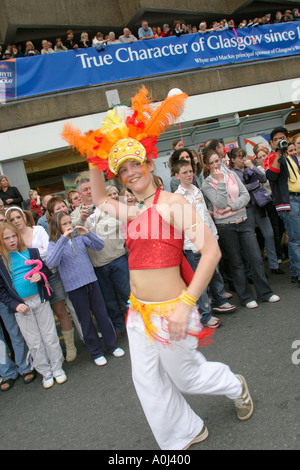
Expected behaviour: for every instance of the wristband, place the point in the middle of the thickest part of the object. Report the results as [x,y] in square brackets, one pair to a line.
[188,299]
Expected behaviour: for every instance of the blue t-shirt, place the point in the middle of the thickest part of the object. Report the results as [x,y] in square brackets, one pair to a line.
[143,33]
[18,269]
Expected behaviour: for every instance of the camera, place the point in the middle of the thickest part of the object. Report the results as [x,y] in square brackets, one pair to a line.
[283,145]
[75,233]
[91,209]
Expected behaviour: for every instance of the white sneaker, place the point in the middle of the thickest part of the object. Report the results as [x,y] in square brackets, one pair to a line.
[118,352]
[227,307]
[214,322]
[61,378]
[100,361]
[274,298]
[251,304]
[48,382]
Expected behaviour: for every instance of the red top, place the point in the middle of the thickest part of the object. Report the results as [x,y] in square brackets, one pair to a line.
[35,207]
[154,244]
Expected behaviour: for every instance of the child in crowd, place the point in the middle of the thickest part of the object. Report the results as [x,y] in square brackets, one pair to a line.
[35,203]
[28,299]
[69,254]
[128,197]
[36,237]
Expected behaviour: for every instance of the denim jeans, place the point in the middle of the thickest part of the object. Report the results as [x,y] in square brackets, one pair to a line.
[216,289]
[203,303]
[10,369]
[232,238]
[291,220]
[260,218]
[114,283]
[87,299]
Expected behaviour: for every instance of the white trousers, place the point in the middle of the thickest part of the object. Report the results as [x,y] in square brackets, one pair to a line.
[39,331]
[161,373]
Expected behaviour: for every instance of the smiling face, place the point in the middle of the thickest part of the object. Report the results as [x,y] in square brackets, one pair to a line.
[60,207]
[113,194]
[129,198]
[136,176]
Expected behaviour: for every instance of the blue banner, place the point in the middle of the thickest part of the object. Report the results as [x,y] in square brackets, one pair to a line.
[84,67]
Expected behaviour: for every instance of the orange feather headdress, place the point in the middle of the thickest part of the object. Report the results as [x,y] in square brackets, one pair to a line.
[126,133]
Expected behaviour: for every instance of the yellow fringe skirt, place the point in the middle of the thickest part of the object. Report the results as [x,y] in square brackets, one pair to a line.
[155,320]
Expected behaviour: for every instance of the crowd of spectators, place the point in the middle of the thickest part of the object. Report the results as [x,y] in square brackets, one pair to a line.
[194,176]
[144,32]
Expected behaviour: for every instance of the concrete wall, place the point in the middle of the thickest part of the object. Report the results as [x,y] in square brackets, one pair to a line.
[21,20]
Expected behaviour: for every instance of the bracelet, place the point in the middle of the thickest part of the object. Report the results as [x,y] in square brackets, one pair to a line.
[192,226]
[103,203]
[187,299]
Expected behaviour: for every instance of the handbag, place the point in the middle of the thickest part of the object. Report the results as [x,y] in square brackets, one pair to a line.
[261,196]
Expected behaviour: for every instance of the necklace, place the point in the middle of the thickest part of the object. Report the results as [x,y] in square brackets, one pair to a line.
[20,255]
[142,202]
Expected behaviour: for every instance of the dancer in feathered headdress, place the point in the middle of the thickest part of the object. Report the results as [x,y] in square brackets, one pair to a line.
[164,329]
[143,122]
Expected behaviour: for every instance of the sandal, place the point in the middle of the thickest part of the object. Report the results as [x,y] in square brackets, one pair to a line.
[29,377]
[8,382]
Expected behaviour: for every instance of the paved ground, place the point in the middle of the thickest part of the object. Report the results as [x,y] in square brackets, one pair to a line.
[97,408]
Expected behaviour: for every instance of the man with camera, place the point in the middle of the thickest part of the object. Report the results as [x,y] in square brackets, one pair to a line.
[283,172]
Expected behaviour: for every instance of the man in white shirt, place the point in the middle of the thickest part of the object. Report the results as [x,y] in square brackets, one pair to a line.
[127,36]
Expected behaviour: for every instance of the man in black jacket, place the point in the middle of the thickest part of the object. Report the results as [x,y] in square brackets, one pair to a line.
[283,172]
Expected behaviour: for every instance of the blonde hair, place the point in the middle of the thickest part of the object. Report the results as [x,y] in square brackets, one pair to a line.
[258,149]
[295,137]
[3,251]
[110,187]
[27,215]
[2,177]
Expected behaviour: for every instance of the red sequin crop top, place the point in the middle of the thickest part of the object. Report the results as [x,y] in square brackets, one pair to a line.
[154,244]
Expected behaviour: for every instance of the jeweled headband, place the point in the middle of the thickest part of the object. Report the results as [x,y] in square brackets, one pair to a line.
[127,133]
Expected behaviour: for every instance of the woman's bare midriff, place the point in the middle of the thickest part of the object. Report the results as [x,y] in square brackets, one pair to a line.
[156,285]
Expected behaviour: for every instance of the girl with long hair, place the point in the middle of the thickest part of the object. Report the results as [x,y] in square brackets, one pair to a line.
[28,299]
[37,237]
[69,254]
